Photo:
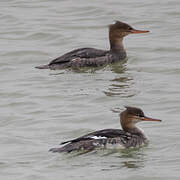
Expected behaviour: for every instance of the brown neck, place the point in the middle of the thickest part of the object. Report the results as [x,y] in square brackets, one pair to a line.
[133,130]
[116,44]
[128,125]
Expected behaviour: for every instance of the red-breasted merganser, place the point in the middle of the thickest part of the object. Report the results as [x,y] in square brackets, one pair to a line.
[130,136]
[90,57]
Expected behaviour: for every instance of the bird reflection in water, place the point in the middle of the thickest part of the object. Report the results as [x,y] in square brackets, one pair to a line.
[133,158]
[123,83]
[129,158]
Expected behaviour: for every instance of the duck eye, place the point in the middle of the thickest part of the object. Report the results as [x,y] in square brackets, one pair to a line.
[140,115]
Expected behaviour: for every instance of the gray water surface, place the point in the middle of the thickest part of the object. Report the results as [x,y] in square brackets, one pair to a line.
[41,108]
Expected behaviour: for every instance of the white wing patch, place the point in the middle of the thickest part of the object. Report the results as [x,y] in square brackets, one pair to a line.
[98,137]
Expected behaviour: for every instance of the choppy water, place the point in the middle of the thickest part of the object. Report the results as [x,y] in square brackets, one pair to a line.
[41,108]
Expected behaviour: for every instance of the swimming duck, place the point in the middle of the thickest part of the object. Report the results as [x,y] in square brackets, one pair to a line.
[91,57]
[130,137]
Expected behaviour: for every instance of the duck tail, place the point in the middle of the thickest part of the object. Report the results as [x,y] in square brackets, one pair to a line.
[43,66]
